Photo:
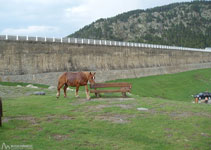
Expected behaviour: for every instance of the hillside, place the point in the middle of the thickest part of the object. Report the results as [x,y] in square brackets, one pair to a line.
[185,24]
[180,86]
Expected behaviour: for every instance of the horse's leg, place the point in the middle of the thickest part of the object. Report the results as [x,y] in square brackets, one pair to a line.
[60,85]
[65,90]
[76,91]
[87,92]
[58,91]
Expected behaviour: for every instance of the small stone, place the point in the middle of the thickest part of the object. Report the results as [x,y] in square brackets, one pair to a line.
[186,140]
[142,109]
[39,93]
[51,87]
[19,86]
[69,89]
[129,93]
[32,86]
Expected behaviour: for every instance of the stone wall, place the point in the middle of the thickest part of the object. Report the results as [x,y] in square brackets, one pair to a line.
[40,62]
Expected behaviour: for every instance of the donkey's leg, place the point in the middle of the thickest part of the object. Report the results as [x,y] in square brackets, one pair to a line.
[65,90]
[76,91]
[87,92]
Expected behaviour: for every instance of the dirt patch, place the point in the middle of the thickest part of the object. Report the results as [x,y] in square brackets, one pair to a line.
[36,121]
[124,106]
[188,114]
[112,99]
[115,118]
[60,137]
[67,117]
[30,119]
[79,101]
[88,144]
[98,108]
[50,118]
[180,115]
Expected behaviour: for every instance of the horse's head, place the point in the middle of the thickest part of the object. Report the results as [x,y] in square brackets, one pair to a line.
[91,78]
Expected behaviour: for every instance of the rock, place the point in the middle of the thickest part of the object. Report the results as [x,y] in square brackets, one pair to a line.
[39,93]
[142,109]
[128,93]
[19,86]
[32,86]
[51,87]
[69,89]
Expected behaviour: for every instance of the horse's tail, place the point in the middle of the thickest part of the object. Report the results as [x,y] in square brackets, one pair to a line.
[62,80]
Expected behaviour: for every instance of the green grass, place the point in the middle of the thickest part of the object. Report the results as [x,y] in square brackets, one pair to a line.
[179,86]
[112,123]
[22,84]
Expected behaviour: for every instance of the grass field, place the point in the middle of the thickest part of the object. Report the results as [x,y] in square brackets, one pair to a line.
[172,121]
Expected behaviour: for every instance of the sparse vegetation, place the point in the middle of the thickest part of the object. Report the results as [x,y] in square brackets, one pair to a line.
[174,24]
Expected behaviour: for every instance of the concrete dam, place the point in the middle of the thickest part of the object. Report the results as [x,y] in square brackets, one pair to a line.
[42,60]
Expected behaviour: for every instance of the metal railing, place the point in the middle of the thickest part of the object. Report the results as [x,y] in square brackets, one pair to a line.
[95,42]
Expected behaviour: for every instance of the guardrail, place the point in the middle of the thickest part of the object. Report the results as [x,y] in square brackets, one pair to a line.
[95,42]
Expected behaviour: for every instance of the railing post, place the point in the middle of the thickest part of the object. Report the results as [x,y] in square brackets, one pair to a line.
[68,40]
[75,40]
[36,38]
[82,41]
[27,38]
[53,39]
[45,39]
[6,37]
[17,37]
[61,40]
[88,41]
[94,42]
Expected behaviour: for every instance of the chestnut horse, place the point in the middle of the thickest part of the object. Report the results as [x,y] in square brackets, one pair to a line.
[75,79]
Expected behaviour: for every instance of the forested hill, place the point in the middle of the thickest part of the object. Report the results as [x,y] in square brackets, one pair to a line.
[185,24]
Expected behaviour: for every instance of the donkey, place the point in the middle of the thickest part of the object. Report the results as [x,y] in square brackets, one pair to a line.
[75,79]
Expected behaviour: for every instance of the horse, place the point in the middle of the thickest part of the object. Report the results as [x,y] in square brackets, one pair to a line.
[75,79]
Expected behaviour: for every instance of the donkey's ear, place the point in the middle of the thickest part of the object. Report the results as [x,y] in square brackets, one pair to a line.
[94,73]
[90,73]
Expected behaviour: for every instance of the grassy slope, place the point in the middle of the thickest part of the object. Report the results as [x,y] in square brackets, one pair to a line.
[22,84]
[48,123]
[180,86]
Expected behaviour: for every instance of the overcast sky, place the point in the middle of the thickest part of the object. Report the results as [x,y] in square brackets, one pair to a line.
[59,18]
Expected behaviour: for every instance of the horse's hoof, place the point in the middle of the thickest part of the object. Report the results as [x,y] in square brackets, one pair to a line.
[57,97]
[88,99]
[77,96]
